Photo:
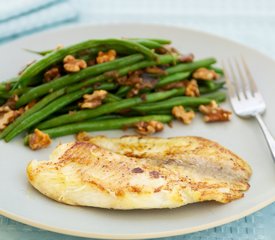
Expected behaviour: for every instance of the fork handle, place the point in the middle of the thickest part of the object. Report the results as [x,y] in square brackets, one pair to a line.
[270,140]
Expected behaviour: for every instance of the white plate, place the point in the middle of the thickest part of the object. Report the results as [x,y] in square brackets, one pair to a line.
[21,202]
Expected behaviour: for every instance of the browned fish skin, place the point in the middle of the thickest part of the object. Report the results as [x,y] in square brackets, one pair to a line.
[141,172]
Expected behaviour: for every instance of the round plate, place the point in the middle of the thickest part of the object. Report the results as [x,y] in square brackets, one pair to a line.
[21,202]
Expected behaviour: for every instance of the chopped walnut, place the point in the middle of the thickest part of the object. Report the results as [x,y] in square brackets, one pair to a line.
[131,79]
[82,137]
[30,105]
[11,102]
[7,116]
[147,128]
[106,56]
[71,64]
[179,84]
[133,92]
[137,82]
[39,140]
[51,74]
[213,113]
[155,70]
[184,116]
[185,58]
[205,74]
[192,89]
[93,100]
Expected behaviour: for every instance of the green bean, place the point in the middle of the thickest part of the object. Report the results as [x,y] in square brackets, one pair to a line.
[112,98]
[103,86]
[147,43]
[18,92]
[58,55]
[45,112]
[217,96]
[108,124]
[150,43]
[72,78]
[109,108]
[123,90]
[160,41]
[164,59]
[187,67]
[215,87]
[217,70]
[173,78]
[2,101]
[170,103]
[39,105]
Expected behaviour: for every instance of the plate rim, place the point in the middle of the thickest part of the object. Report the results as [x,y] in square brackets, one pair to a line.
[171,233]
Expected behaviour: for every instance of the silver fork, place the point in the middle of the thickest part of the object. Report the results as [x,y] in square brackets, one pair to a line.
[245,98]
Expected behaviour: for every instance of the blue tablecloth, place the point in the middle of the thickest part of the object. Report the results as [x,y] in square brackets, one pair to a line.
[250,22]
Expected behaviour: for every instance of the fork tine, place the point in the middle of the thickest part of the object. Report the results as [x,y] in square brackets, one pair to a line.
[252,82]
[239,91]
[232,91]
[245,88]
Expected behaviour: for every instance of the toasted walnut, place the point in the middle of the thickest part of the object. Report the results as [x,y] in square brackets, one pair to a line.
[147,128]
[192,89]
[184,116]
[106,56]
[39,140]
[155,70]
[30,105]
[131,79]
[93,100]
[185,58]
[71,64]
[137,82]
[7,116]
[134,91]
[82,137]
[179,84]
[51,74]
[205,74]
[11,102]
[213,113]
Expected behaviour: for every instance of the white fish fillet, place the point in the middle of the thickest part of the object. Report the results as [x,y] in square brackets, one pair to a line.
[140,173]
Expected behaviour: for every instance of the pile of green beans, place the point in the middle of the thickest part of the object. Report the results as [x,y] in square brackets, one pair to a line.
[57,111]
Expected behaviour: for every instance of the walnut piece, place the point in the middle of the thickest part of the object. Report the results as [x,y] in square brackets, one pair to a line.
[51,74]
[213,113]
[82,137]
[93,100]
[184,116]
[131,79]
[173,85]
[155,70]
[103,57]
[185,58]
[205,74]
[7,116]
[30,105]
[39,140]
[147,128]
[11,102]
[71,64]
[192,89]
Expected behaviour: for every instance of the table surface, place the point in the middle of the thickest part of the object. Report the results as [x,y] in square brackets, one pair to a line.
[250,22]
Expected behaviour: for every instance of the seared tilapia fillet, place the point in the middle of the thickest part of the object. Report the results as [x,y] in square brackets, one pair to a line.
[140,173]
